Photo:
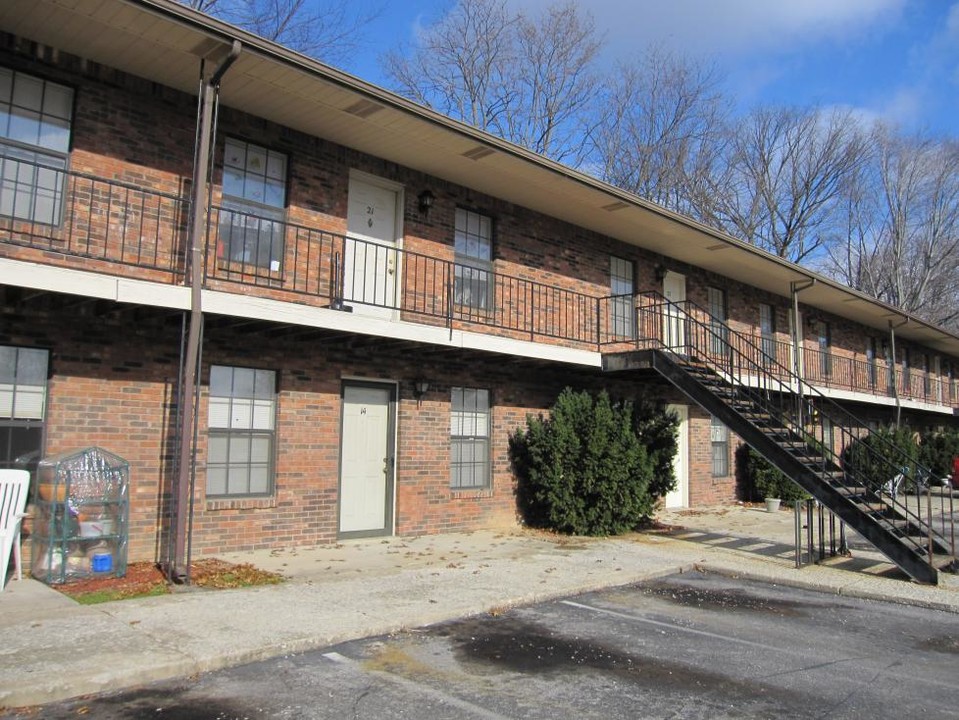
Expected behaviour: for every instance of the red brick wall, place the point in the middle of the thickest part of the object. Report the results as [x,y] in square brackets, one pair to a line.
[113,384]
[128,129]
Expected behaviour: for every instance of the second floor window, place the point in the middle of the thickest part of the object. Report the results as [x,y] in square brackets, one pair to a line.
[254,198]
[35,120]
[767,332]
[621,288]
[871,361]
[473,242]
[719,333]
[824,340]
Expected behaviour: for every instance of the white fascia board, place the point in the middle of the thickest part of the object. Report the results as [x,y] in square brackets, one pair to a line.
[867,398]
[18,273]
[221,303]
[846,395]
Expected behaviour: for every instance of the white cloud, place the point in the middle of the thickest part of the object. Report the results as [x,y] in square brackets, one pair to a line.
[733,27]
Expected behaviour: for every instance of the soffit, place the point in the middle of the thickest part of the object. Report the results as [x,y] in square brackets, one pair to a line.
[164,42]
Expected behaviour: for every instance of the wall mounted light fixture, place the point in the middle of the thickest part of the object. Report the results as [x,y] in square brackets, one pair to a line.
[426,199]
[659,272]
[420,388]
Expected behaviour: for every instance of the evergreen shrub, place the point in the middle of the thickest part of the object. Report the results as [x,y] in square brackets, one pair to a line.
[758,479]
[583,469]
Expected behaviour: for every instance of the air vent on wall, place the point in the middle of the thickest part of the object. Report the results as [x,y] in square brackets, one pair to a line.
[613,207]
[478,153]
[718,246]
[364,108]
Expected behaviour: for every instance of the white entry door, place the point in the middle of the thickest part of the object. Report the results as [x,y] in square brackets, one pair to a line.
[371,263]
[679,497]
[366,460]
[674,325]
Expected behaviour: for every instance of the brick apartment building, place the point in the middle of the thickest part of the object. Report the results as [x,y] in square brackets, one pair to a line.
[373,295]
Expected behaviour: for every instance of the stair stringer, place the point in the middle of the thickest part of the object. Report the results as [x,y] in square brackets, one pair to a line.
[883,538]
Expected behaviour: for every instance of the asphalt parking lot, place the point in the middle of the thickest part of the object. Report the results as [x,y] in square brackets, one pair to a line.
[688,646]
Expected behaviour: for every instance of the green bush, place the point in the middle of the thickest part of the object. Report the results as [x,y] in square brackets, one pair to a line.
[757,479]
[874,459]
[658,432]
[583,469]
[937,451]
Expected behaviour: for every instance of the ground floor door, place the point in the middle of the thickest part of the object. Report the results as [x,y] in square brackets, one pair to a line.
[367,459]
[679,497]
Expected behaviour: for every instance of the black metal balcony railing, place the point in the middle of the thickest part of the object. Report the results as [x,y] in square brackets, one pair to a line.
[85,216]
[125,225]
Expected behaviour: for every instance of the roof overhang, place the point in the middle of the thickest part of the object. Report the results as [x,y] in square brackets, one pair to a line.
[166,42]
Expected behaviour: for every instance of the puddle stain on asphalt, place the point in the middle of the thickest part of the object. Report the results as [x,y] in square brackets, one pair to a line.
[169,704]
[725,600]
[945,644]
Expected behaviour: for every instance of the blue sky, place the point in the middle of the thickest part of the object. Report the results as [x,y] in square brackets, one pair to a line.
[895,60]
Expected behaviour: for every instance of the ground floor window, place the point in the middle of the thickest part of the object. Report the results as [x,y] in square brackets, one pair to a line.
[23,394]
[719,437]
[469,438]
[242,421]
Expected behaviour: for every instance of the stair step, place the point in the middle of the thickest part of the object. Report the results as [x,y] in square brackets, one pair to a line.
[851,490]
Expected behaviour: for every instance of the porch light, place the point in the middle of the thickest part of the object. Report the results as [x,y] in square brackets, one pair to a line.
[660,272]
[426,199]
[420,388]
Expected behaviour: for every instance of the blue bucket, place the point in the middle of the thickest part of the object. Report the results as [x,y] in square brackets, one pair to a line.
[102,562]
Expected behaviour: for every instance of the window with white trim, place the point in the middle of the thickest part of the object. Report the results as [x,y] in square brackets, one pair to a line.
[767,332]
[35,121]
[871,361]
[719,440]
[254,197]
[23,400]
[621,288]
[473,245]
[824,340]
[469,438]
[240,447]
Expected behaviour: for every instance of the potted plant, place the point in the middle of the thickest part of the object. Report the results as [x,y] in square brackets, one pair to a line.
[759,480]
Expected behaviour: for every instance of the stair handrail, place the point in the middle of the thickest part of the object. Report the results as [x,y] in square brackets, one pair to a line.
[720,334]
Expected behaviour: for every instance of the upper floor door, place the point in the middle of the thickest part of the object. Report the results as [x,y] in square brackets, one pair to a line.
[371,262]
[674,324]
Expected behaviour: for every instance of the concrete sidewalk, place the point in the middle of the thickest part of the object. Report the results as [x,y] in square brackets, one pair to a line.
[52,649]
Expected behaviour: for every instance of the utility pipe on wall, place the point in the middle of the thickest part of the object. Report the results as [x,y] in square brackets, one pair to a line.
[796,287]
[892,366]
[179,569]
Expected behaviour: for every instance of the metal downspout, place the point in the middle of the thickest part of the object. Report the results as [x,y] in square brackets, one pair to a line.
[795,288]
[895,373]
[198,221]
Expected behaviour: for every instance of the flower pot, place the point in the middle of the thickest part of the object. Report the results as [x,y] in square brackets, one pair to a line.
[772,504]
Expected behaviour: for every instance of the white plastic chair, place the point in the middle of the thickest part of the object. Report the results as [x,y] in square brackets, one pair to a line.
[13,501]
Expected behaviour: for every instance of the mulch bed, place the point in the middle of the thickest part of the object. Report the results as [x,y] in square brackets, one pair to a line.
[144,579]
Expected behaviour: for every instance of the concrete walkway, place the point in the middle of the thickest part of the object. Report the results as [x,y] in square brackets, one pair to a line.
[53,649]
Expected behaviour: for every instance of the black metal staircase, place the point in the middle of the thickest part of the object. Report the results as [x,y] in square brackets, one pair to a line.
[792,425]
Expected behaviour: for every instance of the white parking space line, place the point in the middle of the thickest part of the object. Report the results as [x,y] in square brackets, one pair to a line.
[896,673]
[673,626]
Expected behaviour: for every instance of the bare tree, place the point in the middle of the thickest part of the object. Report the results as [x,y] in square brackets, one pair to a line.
[659,132]
[901,241]
[783,177]
[525,79]
[555,82]
[327,29]
[460,66]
